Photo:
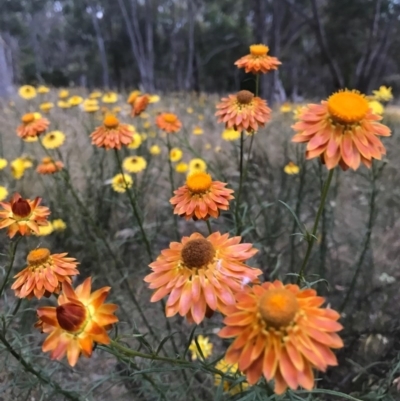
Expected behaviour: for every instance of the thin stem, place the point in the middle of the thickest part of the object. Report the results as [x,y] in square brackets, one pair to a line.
[28,367]
[171,180]
[209,227]
[311,237]
[237,218]
[13,250]
[134,207]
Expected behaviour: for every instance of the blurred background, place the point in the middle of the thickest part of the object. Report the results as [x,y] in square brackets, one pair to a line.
[175,45]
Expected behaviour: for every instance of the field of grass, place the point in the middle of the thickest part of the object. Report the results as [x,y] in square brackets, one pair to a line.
[353,264]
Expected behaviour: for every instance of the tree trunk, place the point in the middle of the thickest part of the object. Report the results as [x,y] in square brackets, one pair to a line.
[5,71]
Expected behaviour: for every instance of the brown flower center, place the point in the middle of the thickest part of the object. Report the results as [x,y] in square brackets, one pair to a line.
[38,256]
[28,118]
[278,307]
[258,50]
[110,121]
[244,97]
[199,182]
[170,118]
[21,208]
[71,316]
[197,253]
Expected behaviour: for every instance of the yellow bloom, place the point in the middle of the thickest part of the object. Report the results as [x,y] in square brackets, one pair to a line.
[3,193]
[121,182]
[3,163]
[196,165]
[197,131]
[146,124]
[376,107]
[285,108]
[27,92]
[110,97]
[207,146]
[145,116]
[58,225]
[45,230]
[154,99]
[62,104]
[95,95]
[134,164]
[181,167]
[46,107]
[136,141]
[230,135]
[200,117]
[53,139]
[43,89]
[75,101]
[63,93]
[217,149]
[175,154]
[383,94]
[155,150]
[232,370]
[116,110]
[30,139]
[298,111]
[205,346]
[189,110]
[291,169]
[18,167]
[89,108]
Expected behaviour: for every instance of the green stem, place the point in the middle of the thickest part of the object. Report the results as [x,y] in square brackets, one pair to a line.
[237,218]
[311,237]
[39,375]
[171,180]
[13,250]
[209,227]
[134,207]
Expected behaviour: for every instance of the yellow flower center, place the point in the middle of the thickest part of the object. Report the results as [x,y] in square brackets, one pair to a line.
[244,97]
[278,307]
[38,256]
[28,118]
[197,253]
[199,182]
[258,50]
[170,118]
[21,208]
[71,316]
[347,107]
[47,160]
[110,121]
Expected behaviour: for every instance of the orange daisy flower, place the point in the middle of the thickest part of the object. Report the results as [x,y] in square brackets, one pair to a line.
[80,319]
[132,97]
[140,105]
[48,166]
[341,130]
[258,61]
[281,332]
[23,215]
[112,134]
[243,111]
[201,197]
[44,274]
[32,125]
[168,122]
[200,275]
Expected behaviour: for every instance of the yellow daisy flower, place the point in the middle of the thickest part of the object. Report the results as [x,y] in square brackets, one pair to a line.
[205,346]
[181,167]
[53,139]
[45,230]
[62,104]
[145,116]
[200,117]
[197,131]
[46,107]
[232,370]
[136,141]
[30,139]
[383,94]
[121,182]
[95,95]
[196,165]
[63,94]
[143,136]
[155,150]
[134,164]
[189,110]
[291,169]
[58,225]
[175,154]
[230,134]
[3,163]
[207,146]
[43,89]
[146,124]
[27,92]
[154,99]
[110,97]
[285,108]
[376,107]
[75,101]
[3,193]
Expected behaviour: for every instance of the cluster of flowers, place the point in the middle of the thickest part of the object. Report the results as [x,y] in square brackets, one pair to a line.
[279,331]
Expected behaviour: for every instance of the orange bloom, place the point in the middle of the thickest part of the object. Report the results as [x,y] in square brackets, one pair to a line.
[133,96]
[243,111]
[112,134]
[32,125]
[140,105]
[258,61]
[201,197]
[80,319]
[168,122]
[44,274]
[48,166]
[281,332]
[341,130]
[200,275]
[23,215]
